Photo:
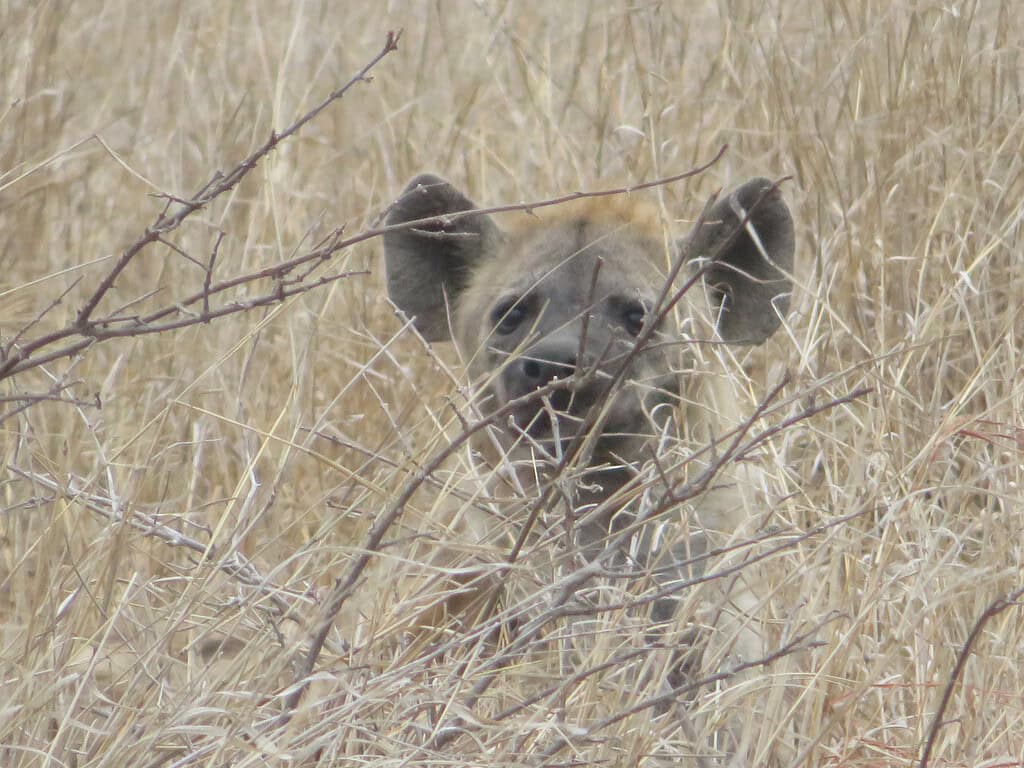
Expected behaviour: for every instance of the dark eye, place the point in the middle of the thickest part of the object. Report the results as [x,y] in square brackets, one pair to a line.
[508,316]
[633,318]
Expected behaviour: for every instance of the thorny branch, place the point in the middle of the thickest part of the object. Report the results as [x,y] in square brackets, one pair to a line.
[80,335]
[55,394]
[221,183]
[85,330]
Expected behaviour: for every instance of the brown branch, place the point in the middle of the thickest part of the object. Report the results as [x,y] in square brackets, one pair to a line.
[994,609]
[54,395]
[221,183]
[84,325]
[209,272]
[5,351]
[22,359]
[134,326]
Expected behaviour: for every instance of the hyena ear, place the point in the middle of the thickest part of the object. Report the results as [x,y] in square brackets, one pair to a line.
[429,265]
[748,279]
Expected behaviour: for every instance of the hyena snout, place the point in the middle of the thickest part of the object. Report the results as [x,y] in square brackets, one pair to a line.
[542,365]
[564,386]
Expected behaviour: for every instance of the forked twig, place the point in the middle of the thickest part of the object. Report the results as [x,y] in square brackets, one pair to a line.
[85,330]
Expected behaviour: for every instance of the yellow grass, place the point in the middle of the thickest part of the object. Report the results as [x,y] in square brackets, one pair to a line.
[273,438]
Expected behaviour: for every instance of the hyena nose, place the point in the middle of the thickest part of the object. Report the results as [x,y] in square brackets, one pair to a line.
[541,366]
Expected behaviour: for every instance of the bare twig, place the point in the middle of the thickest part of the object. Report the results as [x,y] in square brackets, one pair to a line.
[221,183]
[81,334]
[84,327]
[994,609]
[55,394]
[234,564]
[5,350]
[131,327]
[209,273]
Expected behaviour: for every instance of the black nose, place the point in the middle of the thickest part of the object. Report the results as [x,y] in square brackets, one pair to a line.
[542,366]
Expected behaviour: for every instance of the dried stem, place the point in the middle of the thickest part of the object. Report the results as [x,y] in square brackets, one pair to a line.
[84,332]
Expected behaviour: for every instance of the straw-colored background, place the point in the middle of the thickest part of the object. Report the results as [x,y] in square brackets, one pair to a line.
[902,125]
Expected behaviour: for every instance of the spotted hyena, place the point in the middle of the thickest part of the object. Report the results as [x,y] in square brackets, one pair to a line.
[582,331]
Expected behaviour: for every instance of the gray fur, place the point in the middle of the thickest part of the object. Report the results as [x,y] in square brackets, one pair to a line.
[751,286]
[428,266]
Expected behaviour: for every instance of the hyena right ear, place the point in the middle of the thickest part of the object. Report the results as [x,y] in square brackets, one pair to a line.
[429,265]
[749,235]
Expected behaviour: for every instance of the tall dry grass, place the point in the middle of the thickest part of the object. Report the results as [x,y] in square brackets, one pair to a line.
[178,506]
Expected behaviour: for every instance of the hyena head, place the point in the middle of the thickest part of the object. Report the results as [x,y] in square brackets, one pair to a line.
[576,308]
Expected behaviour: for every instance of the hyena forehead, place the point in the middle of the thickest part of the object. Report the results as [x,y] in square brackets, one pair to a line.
[624,235]
[583,252]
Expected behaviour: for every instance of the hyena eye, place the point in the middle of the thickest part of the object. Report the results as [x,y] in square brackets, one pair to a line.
[508,316]
[633,317]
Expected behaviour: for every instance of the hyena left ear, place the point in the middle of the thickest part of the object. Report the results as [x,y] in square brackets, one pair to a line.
[748,278]
[429,265]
